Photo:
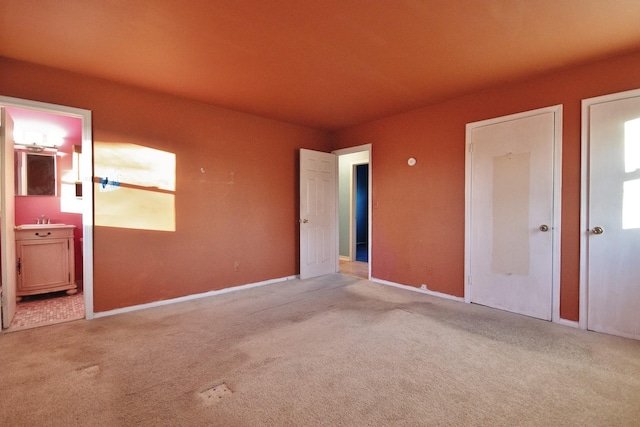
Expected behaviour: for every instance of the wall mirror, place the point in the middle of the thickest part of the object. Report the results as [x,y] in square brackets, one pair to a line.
[35,174]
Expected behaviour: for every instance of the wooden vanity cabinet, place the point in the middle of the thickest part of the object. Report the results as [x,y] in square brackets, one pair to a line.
[45,260]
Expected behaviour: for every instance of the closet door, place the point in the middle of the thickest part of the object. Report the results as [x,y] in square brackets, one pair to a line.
[613,213]
[510,213]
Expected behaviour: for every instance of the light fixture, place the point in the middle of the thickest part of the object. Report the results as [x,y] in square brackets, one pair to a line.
[34,147]
[411,161]
[35,137]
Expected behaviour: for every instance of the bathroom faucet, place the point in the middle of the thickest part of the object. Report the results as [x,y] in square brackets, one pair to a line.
[41,220]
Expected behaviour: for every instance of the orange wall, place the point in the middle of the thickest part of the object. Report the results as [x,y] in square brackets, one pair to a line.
[418,212]
[242,209]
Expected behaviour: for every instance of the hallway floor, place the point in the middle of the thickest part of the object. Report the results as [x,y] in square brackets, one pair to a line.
[355,268]
[47,309]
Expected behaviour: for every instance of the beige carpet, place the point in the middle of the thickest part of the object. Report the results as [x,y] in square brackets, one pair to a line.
[333,351]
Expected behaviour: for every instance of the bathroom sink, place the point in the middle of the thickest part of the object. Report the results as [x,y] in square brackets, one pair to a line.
[36,226]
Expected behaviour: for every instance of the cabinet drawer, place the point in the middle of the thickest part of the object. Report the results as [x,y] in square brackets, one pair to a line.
[44,233]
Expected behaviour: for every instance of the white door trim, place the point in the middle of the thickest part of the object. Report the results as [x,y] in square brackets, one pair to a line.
[557,199]
[7,207]
[584,196]
[357,149]
[87,184]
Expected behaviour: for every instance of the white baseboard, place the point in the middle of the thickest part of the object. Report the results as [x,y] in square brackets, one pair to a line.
[560,321]
[191,297]
[566,322]
[345,258]
[414,289]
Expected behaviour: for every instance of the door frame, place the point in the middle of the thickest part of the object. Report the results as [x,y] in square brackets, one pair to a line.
[557,200]
[87,184]
[7,206]
[351,150]
[584,196]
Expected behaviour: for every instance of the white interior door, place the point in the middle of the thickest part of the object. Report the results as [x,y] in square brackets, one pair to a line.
[613,214]
[318,214]
[510,213]
[7,210]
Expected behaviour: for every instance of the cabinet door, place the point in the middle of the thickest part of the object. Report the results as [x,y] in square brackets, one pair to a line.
[43,264]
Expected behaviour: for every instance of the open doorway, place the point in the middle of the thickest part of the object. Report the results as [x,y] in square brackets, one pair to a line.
[360,201]
[354,210]
[34,292]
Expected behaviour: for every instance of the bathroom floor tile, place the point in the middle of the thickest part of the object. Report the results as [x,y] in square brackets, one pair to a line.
[47,309]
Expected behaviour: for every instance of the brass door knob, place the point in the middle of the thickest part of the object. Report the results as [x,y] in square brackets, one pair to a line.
[544,228]
[598,230]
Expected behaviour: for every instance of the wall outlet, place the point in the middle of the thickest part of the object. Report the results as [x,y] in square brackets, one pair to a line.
[236,266]
[423,287]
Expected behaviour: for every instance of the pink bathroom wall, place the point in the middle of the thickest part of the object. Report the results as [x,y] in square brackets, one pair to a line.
[29,208]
